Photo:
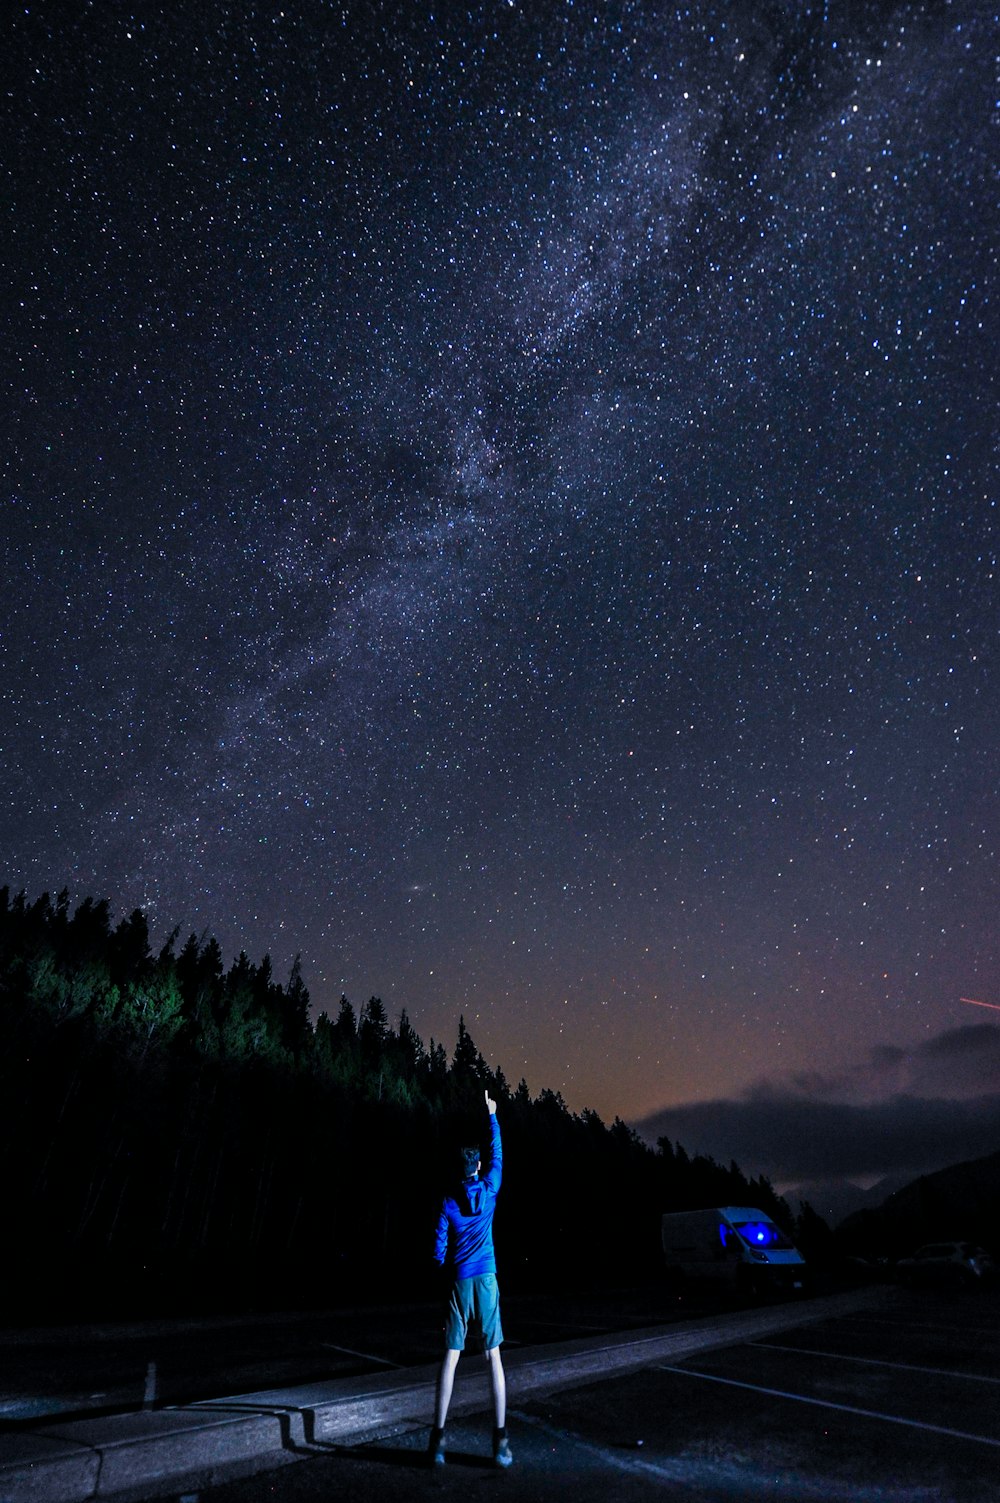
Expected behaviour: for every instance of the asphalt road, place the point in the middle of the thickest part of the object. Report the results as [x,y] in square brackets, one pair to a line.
[898,1405]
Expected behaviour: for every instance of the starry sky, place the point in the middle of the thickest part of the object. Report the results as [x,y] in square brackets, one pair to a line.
[500,498]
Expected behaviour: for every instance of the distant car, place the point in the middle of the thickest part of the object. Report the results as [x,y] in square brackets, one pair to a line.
[947,1262]
[866,1269]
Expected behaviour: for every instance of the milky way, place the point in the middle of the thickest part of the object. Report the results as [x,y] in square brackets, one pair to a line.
[501,499]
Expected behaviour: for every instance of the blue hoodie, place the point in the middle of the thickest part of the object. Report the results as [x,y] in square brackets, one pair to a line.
[464,1232]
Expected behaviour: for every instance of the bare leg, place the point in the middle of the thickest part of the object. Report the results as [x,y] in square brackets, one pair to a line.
[499,1386]
[445,1384]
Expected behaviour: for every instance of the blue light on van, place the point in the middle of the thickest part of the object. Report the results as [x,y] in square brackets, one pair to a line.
[763,1234]
[753,1234]
[760,1234]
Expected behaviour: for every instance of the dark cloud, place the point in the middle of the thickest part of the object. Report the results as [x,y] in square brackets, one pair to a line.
[794,1132]
[976,1040]
[792,1139]
[961,1062]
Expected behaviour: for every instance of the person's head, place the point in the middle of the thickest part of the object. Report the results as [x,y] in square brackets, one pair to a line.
[469,1161]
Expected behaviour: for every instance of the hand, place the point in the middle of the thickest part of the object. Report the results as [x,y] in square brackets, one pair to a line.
[491,1105]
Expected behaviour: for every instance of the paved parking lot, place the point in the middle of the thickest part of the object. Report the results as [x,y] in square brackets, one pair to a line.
[899,1404]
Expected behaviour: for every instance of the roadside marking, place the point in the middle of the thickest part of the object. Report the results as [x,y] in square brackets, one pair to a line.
[602,1453]
[906,1367]
[564,1325]
[735,1479]
[801,1398]
[917,1325]
[362,1356]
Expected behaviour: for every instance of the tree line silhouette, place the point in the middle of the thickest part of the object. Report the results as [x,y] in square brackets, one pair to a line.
[179,1135]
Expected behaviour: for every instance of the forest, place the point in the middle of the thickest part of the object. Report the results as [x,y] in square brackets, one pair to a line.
[183,1136]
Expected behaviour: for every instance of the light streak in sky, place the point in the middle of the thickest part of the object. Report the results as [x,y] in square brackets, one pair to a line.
[972,1000]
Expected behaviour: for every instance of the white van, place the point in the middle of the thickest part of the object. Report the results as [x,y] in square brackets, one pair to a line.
[737,1245]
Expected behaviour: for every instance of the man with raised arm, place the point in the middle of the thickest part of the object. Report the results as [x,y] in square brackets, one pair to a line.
[463,1244]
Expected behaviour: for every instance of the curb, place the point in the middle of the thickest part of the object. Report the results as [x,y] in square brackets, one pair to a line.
[132,1458]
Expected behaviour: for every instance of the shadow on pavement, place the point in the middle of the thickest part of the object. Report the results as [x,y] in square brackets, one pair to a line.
[414,1461]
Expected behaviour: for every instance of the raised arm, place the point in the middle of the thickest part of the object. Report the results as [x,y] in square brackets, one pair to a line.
[494,1172]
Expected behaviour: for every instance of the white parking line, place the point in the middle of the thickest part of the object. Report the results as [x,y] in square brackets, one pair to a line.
[906,1367]
[602,1453]
[364,1356]
[563,1325]
[907,1323]
[801,1398]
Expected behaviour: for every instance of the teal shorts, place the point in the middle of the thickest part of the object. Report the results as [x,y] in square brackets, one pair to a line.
[475,1304]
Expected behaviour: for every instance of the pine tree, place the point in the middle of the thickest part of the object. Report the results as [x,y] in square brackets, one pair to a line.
[345,1029]
[372,1031]
[297,1032]
[467,1062]
[344,1041]
[411,1049]
[129,948]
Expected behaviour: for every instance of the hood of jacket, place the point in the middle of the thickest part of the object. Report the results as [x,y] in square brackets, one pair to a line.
[472,1196]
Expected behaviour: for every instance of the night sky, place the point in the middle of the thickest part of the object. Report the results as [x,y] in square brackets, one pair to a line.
[500,498]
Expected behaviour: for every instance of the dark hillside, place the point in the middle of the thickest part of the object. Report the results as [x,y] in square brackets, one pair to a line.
[961,1202]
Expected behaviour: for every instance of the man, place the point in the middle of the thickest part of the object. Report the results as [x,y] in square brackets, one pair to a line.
[464,1243]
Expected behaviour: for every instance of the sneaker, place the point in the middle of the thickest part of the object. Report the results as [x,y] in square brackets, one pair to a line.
[435,1448]
[502,1454]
